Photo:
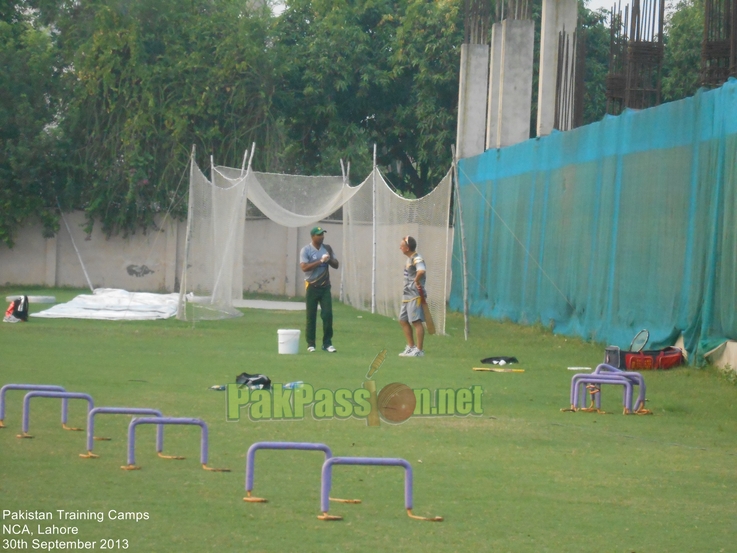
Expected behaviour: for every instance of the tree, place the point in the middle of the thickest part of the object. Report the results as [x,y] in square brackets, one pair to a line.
[684,31]
[379,72]
[151,78]
[29,108]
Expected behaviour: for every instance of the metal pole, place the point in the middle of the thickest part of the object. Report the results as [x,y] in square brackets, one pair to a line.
[463,244]
[373,250]
[182,304]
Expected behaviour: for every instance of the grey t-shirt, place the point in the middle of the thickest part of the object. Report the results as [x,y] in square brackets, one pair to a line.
[318,276]
[414,263]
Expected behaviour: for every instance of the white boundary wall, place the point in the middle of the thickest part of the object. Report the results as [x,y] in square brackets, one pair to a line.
[153,262]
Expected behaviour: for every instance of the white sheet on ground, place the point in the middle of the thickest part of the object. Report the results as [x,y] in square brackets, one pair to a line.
[115,305]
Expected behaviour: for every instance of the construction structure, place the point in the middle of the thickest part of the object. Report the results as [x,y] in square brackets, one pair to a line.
[719,46]
[635,56]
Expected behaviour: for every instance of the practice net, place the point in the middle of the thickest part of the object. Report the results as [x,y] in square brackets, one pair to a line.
[371,277]
[212,275]
[378,287]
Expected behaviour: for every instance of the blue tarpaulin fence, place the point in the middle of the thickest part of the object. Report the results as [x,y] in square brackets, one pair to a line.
[623,224]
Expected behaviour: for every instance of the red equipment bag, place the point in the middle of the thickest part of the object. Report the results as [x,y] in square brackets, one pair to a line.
[635,359]
[653,360]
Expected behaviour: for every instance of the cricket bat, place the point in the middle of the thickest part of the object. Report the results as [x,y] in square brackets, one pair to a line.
[426,311]
[489,369]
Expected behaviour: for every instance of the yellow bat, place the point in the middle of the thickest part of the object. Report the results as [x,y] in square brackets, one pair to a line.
[498,370]
[426,310]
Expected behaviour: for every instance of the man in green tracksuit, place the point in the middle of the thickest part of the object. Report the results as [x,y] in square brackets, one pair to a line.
[314,260]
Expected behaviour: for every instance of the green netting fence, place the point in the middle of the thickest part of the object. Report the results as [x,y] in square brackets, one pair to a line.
[624,224]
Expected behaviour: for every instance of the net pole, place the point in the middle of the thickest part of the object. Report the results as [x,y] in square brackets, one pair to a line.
[463,243]
[373,250]
[342,266]
[182,307]
[447,257]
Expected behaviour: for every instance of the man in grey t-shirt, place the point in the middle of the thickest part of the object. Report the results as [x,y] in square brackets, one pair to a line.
[411,316]
[314,260]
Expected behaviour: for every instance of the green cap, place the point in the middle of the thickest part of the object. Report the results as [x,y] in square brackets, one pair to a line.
[317,230]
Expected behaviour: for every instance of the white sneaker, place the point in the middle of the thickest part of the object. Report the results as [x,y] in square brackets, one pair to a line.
[11,319]
[311,349]
[416,353]
[407,351]
[329,349]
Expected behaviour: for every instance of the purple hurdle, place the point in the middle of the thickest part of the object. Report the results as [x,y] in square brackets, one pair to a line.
[118,411]
[62,395]
[327,482]
[304,446]
[636,378]
[608,374]
[590,379]
[46,387]
[167,420]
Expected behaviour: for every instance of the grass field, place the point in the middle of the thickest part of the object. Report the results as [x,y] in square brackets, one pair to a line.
[522,476]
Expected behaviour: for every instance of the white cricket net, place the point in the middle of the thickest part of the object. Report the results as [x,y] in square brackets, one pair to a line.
[214,251]
[212,275]
[293,200]
[426,219]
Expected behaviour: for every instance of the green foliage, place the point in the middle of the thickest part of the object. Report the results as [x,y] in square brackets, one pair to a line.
[595,33]
[153,78]
[101,101]
[682,57]
[370,72]
[29,136]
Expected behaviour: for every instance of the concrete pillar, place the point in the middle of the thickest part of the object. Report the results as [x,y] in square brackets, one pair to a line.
[515,92]
[472,96]
[557,15]
[492,105]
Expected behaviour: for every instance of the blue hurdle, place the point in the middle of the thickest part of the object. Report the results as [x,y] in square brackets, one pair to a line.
[327,481]
[118,411]
[167,420]
[46,387]
[62,395]
[304,446]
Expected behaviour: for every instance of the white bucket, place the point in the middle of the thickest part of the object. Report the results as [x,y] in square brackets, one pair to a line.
[288,341]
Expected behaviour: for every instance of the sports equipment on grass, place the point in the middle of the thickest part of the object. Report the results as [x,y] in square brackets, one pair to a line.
[63,396]
[167,420]
[46,387]
[488,369]
[118,411]
[640,341]
[608,374]
[327,482]
[304,446]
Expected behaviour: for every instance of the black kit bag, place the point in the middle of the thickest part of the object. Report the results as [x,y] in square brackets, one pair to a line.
[257,381]
[17,310]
